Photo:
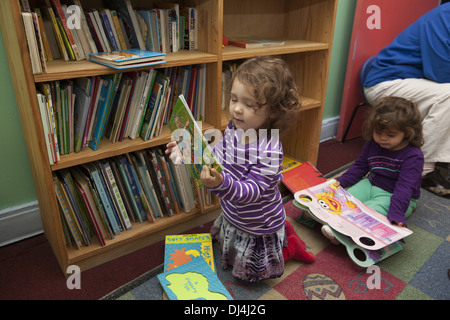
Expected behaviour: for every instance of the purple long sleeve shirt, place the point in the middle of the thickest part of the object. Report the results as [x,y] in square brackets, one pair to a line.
[398,172]
[249,195]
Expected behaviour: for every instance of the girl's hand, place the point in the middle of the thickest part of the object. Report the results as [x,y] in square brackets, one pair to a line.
[336,183]
[400,224]
[174,151]
[210,177]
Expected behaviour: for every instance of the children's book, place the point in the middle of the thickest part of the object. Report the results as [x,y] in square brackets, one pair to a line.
[128,58]
[364,257]
[193,281]
[347,215]
[193,145]
[183,248]
[298,176]
[254,43]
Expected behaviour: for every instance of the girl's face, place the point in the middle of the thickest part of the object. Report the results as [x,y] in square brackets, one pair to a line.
[242,108]
[390,138]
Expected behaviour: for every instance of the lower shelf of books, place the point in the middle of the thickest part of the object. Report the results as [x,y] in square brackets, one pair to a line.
[139,236]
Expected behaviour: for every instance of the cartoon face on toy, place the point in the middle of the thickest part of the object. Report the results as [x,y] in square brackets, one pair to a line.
[328,202]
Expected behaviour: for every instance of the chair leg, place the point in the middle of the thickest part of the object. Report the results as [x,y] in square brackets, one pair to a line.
[351,119]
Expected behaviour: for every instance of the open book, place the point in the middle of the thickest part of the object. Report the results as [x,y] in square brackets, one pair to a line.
[349,216]
[368,236]
[193,145]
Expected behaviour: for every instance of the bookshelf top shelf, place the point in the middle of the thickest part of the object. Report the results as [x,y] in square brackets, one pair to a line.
[290,46]
[60,69]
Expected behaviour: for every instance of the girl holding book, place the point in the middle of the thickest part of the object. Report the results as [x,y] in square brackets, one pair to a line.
[388,173]
[252,231]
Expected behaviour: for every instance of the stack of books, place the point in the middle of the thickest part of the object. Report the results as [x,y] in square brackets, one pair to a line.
[189,270]
[127,59]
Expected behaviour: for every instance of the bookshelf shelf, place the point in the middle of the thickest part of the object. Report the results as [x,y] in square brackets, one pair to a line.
[140,236]
[305,26]
[108,149]
[61,70]
[290,46]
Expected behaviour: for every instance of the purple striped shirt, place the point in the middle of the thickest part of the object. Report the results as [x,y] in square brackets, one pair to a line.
[249,193]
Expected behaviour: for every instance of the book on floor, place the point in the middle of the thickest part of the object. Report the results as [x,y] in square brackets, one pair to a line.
[193,281]
[344,213]
[298,176]
[183,248]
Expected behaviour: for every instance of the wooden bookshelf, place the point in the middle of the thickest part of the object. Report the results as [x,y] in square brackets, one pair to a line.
[305,26]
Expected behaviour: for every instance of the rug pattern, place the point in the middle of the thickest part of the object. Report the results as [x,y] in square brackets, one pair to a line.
[420,271]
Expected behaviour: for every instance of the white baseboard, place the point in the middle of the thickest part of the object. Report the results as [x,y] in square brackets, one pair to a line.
[20,222]
[329,129]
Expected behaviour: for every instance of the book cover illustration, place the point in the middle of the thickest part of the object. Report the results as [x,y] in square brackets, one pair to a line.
[181,249]
[193,281]
[193,145]
[344,213]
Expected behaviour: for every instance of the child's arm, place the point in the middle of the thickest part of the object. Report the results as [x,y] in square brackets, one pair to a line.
[358,169]
[408,182]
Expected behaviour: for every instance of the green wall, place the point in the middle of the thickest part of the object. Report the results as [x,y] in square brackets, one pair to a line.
[16,182]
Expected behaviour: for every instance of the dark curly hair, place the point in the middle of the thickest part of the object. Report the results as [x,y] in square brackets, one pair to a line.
[396,112]
[273,85]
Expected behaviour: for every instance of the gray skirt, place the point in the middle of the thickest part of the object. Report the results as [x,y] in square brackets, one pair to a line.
[253,258]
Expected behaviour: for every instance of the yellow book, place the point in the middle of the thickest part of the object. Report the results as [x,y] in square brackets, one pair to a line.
[50,15]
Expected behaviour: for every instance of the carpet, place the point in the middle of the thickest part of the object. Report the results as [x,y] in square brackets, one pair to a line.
[419,272]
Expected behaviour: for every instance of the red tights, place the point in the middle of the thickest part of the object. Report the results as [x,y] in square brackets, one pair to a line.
[296,248]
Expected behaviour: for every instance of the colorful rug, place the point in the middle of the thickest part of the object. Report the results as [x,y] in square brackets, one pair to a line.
[419,272]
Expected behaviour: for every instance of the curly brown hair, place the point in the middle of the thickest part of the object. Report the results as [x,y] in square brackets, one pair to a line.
[398,113]
[273,85]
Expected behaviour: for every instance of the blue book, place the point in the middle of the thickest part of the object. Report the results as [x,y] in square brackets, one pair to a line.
[132,187]
[104,197]
[105,93]
[193,281]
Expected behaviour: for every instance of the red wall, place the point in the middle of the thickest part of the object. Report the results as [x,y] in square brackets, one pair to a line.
[376,24]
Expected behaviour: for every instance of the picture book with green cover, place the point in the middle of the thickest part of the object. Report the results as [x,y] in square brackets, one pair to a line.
[193,146]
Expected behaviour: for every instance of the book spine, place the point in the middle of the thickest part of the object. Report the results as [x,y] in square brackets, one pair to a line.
[133,188]
[57,6]
[116,194]
[65,211]
[105,201]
